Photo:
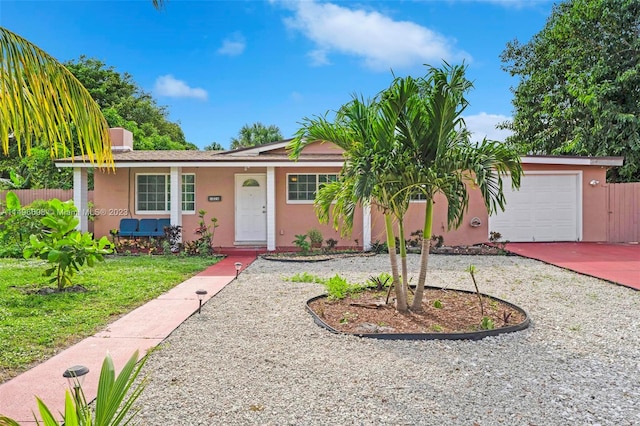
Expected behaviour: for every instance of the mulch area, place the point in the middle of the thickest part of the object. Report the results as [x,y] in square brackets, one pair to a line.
[459,312]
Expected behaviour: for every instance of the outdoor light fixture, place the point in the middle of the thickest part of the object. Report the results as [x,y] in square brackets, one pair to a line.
[75,377]
[238,267]
[200,293]
[594,182]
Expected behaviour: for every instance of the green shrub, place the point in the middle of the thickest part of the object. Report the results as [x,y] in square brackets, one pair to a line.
[338,287]
[315,236]
[66,248]
[306,277]
[115,401]
[378,247]
[380,282]
[331,243]
[487,323]
[302,243]
[18,223]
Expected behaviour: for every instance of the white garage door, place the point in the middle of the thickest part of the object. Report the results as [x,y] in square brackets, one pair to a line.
[546,208]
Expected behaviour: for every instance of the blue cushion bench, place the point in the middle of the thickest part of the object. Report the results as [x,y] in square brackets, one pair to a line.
[143,227]
[128,227]
[162,223]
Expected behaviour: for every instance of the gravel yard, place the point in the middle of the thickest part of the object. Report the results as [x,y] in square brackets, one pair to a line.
[242,362]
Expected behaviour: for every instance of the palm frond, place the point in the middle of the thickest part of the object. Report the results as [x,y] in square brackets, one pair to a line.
[43,103]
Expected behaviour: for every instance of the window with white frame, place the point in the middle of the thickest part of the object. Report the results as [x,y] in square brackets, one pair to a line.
[189,193]
[153,193]
[302,188]
[419,196]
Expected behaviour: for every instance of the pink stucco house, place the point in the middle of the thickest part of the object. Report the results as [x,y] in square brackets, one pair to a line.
[263,199]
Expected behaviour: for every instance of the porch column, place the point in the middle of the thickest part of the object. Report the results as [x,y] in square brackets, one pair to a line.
[271,208]
[81,197]
[366,226]
[175,183]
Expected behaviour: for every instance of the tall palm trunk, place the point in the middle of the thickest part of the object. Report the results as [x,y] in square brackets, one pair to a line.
[424,258]
[401,294]
[403,258]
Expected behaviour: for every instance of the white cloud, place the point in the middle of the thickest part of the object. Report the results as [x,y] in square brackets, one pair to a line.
[380,41]
[318,57]
[233,45]
[484,125]
[168,85]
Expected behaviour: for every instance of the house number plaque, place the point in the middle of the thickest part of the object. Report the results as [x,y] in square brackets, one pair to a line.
[214,198]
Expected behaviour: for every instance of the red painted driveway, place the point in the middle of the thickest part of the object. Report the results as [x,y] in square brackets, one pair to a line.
[618,263]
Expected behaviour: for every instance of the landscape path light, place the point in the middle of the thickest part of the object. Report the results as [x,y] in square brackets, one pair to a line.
[238,267]
[200,293]
[75,378]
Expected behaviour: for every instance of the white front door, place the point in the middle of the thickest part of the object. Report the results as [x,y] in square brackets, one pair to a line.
[251,208]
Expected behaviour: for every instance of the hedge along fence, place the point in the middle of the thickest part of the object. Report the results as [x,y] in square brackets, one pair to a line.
[28,196]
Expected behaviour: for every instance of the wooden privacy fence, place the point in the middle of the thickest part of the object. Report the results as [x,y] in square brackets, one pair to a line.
[624,212]
[27,196]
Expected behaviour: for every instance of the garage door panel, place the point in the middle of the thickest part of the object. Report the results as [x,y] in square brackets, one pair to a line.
[545,209]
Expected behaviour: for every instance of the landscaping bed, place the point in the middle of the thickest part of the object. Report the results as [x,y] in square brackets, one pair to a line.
[458,316]
[316,256]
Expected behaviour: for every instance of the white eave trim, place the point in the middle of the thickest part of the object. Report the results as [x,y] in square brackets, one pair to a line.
[221,164]
[574,161]
[566,161]
[259,149]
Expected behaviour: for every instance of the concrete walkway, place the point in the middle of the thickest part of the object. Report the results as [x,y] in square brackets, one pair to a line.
[618,263]
[141,329]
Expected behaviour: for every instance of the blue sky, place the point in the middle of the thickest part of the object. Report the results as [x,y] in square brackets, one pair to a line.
[218,65]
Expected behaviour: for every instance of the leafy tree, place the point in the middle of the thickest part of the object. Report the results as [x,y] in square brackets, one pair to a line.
[214,146]
[125,104]
[255,134]
[579,84]
[36,171]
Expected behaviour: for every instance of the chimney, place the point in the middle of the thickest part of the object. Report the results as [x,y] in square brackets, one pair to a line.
[121,140]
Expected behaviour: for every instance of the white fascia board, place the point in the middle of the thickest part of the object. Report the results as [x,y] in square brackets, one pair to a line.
[574,161]
[220,164]
[259,149]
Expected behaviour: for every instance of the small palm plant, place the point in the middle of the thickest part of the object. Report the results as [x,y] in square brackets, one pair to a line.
[114,402]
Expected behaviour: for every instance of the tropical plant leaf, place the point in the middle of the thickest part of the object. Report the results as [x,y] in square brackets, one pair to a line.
[43,102]
[112,408]
[45,414]
[6,421]
[12,200]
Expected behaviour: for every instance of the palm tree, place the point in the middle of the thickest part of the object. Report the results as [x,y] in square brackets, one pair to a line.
[42,102]
[432,129]
[256,134]
[365,131]
[411,139]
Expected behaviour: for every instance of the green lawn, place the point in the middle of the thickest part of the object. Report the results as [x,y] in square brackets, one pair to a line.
[34,327]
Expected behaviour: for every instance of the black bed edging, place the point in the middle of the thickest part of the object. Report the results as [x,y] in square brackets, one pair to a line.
[469,335]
